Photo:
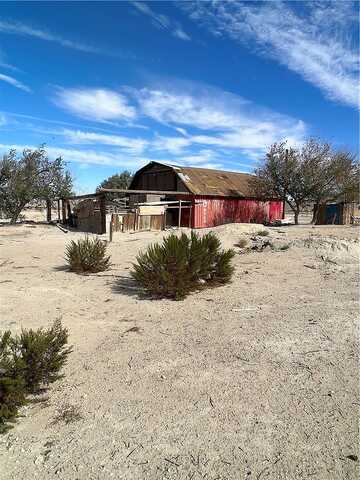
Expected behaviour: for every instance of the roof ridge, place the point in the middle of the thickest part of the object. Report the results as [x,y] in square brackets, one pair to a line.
[172,165]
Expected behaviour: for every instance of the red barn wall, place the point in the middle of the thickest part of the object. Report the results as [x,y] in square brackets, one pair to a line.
[210,211]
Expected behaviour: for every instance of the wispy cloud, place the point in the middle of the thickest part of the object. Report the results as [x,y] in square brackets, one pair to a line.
[313,41]
[179,33]
[210,127]
[207,119]
[162,21]
[216,118]
[95,104]
[5,64]
[18,28]
[78,137]
[88,156]
[15,83]
[172,145]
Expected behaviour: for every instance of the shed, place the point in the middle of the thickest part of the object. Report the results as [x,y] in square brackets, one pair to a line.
[216,196]
[341,213]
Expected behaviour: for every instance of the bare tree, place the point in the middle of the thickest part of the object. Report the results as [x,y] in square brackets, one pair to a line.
[280,175]
[314,173]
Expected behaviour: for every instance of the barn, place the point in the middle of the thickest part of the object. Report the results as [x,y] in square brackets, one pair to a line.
[205,197]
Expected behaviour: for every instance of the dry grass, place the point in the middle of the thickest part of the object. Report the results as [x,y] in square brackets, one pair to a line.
[263,233]
[67,413]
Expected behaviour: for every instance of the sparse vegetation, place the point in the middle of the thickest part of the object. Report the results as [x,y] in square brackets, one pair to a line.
[29,362]
[242,243]
[67,413]
[87,255]
[183,264]
[263,233]
[41,354]
[284,247]
[12,384]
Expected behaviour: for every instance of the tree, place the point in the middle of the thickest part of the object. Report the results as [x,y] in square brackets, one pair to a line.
[280,175]
[32,176]
[314,172]
[120,181]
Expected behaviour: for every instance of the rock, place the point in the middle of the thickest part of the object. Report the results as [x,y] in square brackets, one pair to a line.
[39,460]
[352,457]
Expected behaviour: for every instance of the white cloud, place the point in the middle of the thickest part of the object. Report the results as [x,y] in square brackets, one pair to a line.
[316,43]
[220,128]
[179,33]
[200,159]
[173,145]
[5,64]
[15,83]
[95,104]
[133,145]
[90,157]
[3,120]
[216,118]
[162,21]
[185,109]
[18,28]
[159,20]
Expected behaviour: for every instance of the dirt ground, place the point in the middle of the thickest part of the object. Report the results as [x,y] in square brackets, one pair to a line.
[255,380]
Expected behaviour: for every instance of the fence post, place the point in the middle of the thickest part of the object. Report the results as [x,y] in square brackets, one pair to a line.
[63,208]
[102,201]
[111,227]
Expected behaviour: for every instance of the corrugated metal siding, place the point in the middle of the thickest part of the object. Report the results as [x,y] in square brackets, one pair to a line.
[276,210]
[209,212]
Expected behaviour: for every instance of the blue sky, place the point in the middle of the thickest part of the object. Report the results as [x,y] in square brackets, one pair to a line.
[112,86]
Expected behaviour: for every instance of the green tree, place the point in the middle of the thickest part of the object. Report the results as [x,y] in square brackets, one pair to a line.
[119,180]
[31,176]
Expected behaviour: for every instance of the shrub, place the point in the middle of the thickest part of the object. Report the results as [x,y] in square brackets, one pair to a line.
[182,264]
[42,354]
[163,270]
[12,384]
[29,362]
[242,243]
[87,255]
[263,233]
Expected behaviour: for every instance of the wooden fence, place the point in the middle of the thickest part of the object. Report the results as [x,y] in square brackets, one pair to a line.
[131,222]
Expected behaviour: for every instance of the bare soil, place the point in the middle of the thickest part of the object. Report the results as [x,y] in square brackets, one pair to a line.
[258,379]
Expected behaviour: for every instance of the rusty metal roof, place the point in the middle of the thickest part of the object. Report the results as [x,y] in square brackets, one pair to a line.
[205,181]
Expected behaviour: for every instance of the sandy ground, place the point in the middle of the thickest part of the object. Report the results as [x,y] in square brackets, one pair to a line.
[254,380]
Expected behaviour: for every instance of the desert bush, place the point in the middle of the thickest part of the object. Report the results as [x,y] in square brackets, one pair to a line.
[183,264]
[41,354]
[12,384]
[263,233]
[87,255]
[28,363]
[242,243]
